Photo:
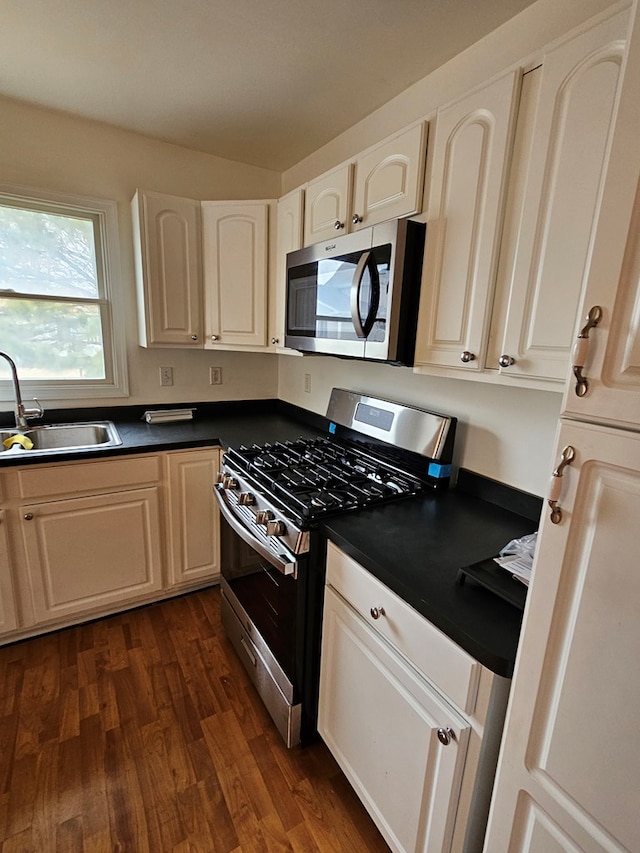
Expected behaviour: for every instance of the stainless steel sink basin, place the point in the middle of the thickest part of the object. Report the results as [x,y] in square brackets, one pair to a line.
[53,438]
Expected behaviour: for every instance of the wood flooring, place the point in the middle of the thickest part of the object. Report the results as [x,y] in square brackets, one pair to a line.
[141,732]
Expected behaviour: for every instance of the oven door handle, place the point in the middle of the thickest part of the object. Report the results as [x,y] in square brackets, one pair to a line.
[283,563]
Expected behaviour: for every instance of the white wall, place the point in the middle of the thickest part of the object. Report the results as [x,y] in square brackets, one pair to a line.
[48,150]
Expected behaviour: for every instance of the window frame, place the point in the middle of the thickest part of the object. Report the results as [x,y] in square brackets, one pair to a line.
[104,212]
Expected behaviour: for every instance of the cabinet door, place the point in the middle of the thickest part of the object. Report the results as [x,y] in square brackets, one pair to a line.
[168,269]
[381,722]
[569,148]
[568,774]
[8,618]
[471,153]
[389,179]
[91,553]
[327,205]
[235,273]
[194,542]
[609,354]
[289,238]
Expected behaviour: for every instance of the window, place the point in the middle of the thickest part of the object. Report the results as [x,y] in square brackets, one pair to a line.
[59,319]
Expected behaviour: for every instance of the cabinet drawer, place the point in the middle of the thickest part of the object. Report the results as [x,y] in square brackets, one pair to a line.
[73,478]
[438,658]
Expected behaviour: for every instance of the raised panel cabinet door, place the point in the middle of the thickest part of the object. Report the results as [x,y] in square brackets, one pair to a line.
[568,774]
[8,616]
[381,721]
[91,553]
[605,384]
[235,244]
[569,149]
[389,179]
[168,269]
[328,205]
[472,145]
[194,542]
[290,226]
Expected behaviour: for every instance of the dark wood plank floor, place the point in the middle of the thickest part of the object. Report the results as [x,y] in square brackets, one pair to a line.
[141,732]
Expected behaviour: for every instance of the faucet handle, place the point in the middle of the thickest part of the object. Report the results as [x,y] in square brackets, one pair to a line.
[34,412]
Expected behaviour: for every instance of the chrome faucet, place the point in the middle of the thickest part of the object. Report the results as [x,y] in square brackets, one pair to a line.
[23,414]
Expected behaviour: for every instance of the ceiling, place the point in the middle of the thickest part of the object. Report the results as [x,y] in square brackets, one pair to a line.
[265,82]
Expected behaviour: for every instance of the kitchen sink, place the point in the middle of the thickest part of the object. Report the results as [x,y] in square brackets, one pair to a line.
[52,438]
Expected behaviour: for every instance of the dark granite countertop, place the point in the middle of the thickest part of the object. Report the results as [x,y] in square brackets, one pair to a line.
[415,546]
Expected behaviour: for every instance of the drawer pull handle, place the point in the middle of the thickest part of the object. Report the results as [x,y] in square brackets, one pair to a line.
[28,516]
[376,612]
[445,736]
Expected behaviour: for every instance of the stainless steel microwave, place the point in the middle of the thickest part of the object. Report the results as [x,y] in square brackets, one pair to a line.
[357,295]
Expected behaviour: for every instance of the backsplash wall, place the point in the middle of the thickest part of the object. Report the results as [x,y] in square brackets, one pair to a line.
[503,433]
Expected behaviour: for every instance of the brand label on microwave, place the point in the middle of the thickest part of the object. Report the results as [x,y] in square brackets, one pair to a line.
[329,247]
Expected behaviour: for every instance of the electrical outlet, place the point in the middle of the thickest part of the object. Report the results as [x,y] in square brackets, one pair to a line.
[307,383]
[215,376]
[166,376]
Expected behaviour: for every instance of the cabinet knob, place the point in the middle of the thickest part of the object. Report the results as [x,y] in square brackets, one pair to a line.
[338,225]
[214,337]
[356,219]
[506,361]
[275,341]
[28,516]
[194,337]
[445,736]
[467,356]
[376,612]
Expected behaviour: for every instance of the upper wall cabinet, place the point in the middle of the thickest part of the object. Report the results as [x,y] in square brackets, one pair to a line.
[384,182]
[471,153]
[545,274]
[235,250]
[168,269]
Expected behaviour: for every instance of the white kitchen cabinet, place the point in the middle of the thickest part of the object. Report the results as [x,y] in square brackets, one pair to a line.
[560,180]
[389,178]
[8,616]
[384,182]
[235,254]
[471,150]
[289,234]
[328,205]
[168,270]
[89,553]
[192,516]
[404,710]
[570,764]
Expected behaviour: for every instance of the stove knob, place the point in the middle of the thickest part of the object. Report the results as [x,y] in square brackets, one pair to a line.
[220,477]
[263,516]
[246,499]
[228,482]
[276,528]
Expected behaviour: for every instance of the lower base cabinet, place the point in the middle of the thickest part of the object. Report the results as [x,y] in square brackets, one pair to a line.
[382,722]
[83,539]
[414,755]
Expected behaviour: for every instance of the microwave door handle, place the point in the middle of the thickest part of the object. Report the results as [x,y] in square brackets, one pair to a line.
[285,565]
[356,285]
[364,327]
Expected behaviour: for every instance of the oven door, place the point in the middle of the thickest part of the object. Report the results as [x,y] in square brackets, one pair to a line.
[263,614]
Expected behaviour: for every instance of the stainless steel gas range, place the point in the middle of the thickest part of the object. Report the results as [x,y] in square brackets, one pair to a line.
[273,499]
